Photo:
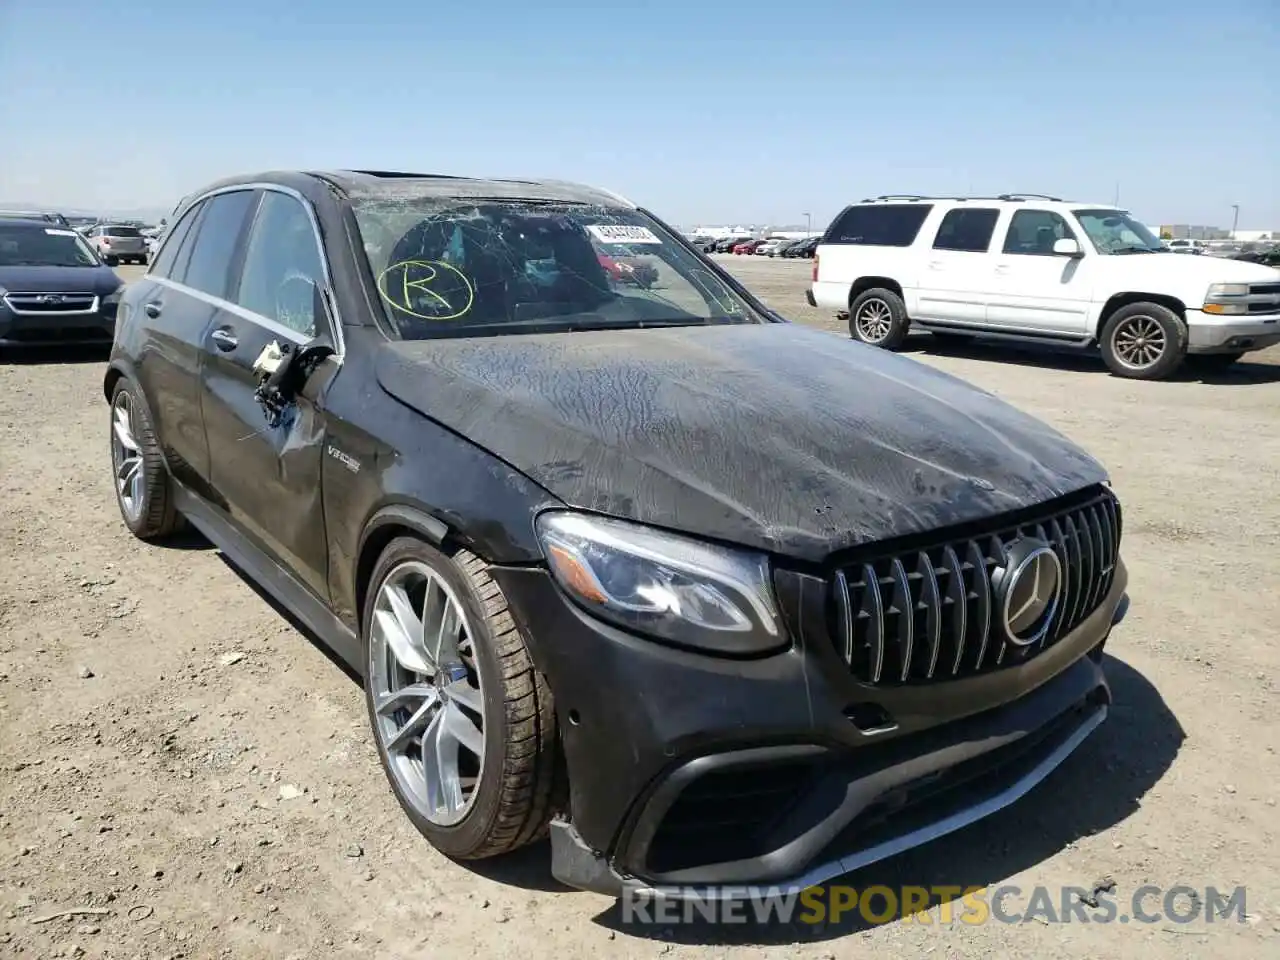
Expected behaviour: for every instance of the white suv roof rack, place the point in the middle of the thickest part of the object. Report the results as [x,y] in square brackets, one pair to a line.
[1006,197]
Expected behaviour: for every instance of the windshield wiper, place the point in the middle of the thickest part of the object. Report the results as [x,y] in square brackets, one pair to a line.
[1134,250]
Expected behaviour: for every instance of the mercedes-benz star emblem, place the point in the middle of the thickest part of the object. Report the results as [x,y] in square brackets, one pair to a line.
[1028,587]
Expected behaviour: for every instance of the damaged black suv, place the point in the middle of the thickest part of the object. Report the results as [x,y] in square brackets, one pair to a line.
[714,599]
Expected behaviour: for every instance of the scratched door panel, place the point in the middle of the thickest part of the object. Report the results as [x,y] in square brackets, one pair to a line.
[266,477]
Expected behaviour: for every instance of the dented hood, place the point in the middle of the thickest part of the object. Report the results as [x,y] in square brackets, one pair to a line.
[772,436]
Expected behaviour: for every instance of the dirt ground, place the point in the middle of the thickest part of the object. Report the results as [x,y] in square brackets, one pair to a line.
[180,762]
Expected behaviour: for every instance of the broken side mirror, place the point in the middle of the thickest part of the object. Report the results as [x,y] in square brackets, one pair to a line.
[284,368]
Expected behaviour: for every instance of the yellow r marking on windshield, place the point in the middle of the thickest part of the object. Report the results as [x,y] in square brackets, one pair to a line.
[409,288]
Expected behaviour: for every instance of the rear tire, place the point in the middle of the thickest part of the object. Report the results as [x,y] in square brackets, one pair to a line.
[878,318]
[1144,341]
[520,784]
[141,480]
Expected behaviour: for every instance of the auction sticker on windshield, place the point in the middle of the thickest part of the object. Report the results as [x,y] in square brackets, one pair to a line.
[622,233]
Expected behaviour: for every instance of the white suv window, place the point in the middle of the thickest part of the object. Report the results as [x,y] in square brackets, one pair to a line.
[1034,232]
[879,224]
[967,229]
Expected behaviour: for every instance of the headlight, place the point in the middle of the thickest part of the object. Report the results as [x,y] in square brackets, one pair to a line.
[1223,299]
[671,587]
[1217,290]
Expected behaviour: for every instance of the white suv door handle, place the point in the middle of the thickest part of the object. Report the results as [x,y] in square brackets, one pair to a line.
[935,264]
[1002,268]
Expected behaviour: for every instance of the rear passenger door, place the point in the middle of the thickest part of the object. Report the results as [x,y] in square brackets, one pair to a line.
[176,314]
[957,276]
[267,476]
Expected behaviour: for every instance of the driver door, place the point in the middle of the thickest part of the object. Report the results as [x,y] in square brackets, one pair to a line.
[265,476]
[1034,290]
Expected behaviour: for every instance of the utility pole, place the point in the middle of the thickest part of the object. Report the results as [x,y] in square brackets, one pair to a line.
[808,223]
[1235,219]
[1117,200]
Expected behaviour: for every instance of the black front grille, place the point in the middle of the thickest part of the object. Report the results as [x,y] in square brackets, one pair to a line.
[52,303]
[931,613]
[1263,289]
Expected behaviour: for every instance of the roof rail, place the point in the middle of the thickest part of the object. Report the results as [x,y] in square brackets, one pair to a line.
[1008,197]
[1029,196]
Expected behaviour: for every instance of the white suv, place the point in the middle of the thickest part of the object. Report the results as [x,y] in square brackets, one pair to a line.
[1041,270]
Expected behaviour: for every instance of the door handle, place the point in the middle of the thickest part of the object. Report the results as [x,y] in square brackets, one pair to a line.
[935,264]
[152,308]
[1002,268]
[224,339]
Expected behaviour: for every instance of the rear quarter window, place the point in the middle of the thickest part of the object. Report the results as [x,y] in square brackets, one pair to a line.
[879,224]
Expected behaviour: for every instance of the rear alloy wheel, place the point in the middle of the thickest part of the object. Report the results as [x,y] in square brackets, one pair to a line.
[878,317]
[140,478]
[464,724]
[1144,341]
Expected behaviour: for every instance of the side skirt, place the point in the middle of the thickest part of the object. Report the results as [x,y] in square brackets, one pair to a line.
[276,580]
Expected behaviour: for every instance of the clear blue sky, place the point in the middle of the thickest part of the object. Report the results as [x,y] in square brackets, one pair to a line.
[706,111]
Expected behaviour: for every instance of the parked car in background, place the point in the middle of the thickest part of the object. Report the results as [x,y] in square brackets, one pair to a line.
[45,216]
[747,247]
[726,244]
[1041,270]
[1267,256]
[1197,247]
[53,287]
[625,266]
[118,243]
[803,248]
[610,568]
[768,245]
[779,249]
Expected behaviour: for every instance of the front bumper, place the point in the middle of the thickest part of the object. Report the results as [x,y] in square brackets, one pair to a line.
[717,776]
[25,329]
[1209,333]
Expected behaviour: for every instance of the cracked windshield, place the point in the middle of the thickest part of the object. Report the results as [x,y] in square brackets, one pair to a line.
[443,269]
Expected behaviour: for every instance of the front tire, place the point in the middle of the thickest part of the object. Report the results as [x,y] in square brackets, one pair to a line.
[1144,341]
[878,317]
[464,724]
[141,481]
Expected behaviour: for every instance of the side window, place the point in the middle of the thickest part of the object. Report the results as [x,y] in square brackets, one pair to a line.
[1034,232]
[879,224]
[215,242]
[967,229]
[282,264]
[163,264]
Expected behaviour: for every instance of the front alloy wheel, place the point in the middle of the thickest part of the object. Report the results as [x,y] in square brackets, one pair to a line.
[464,724]
[428,693]
[1144,341]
